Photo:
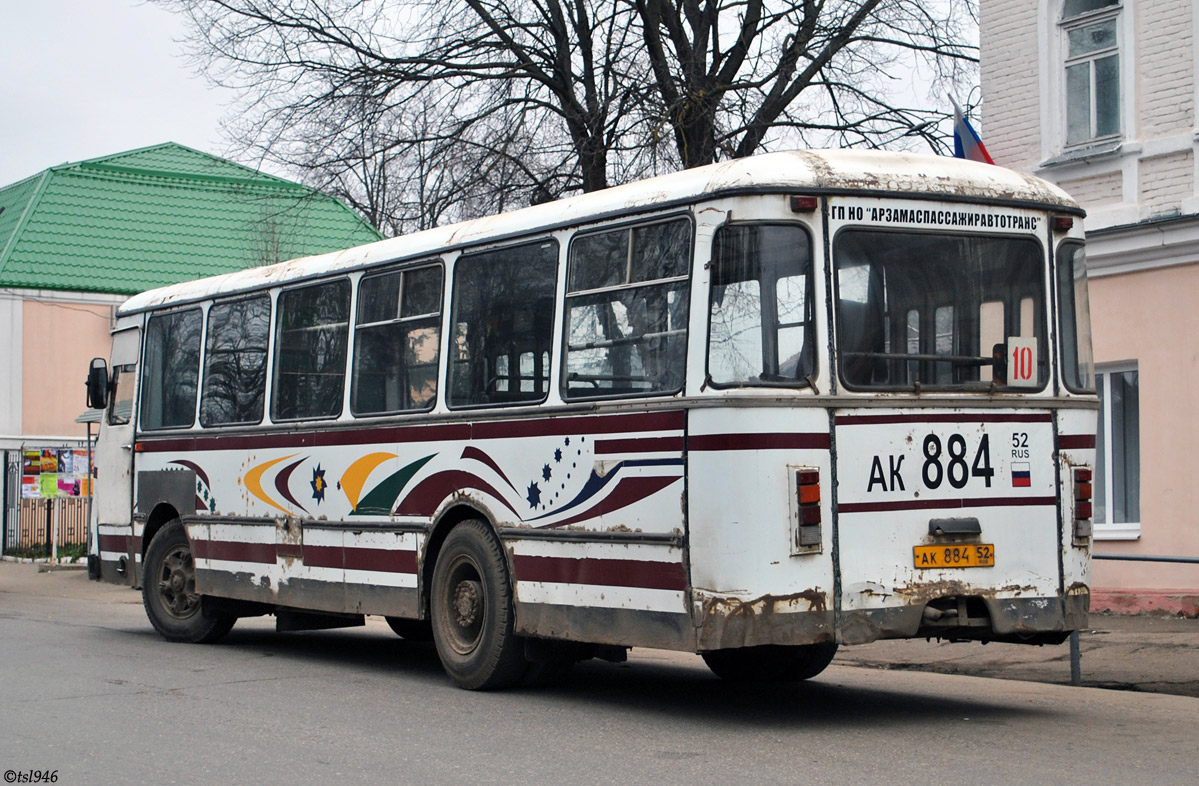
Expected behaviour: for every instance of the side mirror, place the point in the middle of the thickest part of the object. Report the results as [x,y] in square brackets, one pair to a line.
[97,384]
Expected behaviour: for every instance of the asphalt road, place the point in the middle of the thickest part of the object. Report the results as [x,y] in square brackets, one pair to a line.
[88,690]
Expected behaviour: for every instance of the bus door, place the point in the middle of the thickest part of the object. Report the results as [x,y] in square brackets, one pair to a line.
[113,486]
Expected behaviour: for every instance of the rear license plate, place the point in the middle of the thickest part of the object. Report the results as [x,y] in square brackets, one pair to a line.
[968,555]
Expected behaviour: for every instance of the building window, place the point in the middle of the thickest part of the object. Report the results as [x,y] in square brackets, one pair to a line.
[1091,41]
[1118,453]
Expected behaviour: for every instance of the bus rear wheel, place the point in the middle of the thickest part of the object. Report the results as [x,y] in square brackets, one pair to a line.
[169,591]
[771,662]
[471,605]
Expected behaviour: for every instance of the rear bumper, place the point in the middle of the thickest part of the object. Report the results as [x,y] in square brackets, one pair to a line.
[1043,620]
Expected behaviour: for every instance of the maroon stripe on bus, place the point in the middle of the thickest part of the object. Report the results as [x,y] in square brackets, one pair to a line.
[602,572]
[351,558]
[878,420]
[114,543]
[1076,441]
[784,441]
[672,420]
[263,553]
[634,445]
[383,560]
[945,504]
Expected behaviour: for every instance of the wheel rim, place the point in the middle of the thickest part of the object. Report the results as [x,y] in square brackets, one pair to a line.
[177,583]
[466,605]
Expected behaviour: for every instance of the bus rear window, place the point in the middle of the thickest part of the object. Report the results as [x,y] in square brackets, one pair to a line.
[922,310]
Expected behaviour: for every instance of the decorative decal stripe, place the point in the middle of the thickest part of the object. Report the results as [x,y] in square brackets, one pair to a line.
[672,420]
[878,420]
[263,553]
[635,445]
[784,441]
[194,467]
[627,491]
[282,480]
[945,504]
[427,495]
[254,483]
[471,452]
[603,572]
[1076,442]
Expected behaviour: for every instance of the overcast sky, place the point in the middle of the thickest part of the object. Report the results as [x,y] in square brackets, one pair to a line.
[86,78]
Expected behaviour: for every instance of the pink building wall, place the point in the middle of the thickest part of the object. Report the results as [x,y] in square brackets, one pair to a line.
[1147,316]
[59,341]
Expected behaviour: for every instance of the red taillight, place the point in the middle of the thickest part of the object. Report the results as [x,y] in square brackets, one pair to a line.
[807,487]
[1062,223]
[1084,491]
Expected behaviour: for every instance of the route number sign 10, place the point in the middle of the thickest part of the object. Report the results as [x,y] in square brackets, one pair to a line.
[1022,362]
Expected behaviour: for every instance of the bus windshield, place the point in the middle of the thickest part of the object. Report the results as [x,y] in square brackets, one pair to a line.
[924,310]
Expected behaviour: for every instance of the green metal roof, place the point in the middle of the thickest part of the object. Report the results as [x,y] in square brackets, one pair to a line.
[160,215]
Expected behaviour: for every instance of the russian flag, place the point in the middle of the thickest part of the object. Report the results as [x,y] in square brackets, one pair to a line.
[1021,474]
[966,142]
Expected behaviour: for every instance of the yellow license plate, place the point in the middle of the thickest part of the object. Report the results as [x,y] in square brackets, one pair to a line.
[967,555]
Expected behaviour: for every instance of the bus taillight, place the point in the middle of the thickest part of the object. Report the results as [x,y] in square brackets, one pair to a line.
[1083,492]
[807,484]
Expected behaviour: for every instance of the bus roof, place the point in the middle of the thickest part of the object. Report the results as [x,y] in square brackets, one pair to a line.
[847,172]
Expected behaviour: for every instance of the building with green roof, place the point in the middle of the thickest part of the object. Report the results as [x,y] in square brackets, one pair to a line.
[160,215]
[79,238]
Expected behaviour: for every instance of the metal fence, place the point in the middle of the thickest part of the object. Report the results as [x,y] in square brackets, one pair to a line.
[68,514]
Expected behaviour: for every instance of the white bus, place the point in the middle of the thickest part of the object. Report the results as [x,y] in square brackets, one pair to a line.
[753,410]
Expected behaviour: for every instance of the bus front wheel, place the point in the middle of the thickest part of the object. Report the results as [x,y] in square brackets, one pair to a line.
[169,591]
[471,605]
[771,663]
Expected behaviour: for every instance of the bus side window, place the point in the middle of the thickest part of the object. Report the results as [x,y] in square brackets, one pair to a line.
[396,341]
[310,351]
[171,370]
[503,314]
[626,306]
[759,310]
[235,362]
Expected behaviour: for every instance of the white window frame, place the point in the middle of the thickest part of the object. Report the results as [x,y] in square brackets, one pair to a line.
[1128,530]
[1054,48]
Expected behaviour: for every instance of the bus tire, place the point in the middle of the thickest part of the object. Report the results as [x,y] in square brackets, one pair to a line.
[169,591]
[771,662]
[410,629]
[472,615]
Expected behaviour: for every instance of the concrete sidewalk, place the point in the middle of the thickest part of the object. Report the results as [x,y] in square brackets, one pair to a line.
[1141,652]
[1129,652]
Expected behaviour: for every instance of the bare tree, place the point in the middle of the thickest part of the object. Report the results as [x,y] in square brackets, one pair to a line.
[420,110]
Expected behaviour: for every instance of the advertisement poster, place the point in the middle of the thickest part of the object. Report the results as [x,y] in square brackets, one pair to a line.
[29,486]
[48,484]
[31,461]
[80,463]
[68,486]
[49,461]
